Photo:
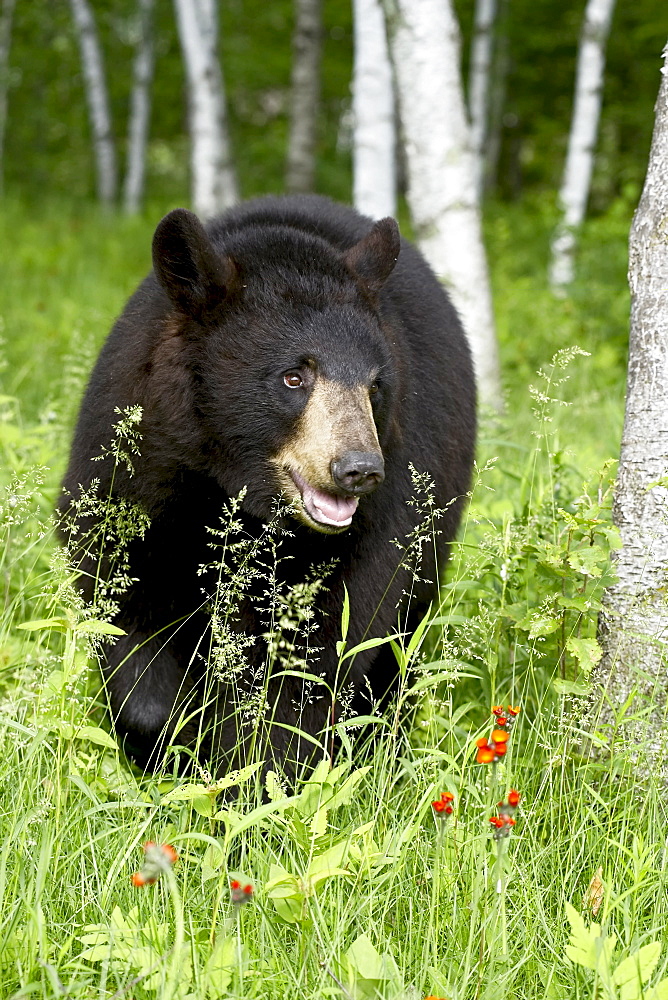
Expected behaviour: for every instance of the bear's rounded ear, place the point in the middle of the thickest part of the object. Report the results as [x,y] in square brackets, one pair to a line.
[373,258]
[196,278]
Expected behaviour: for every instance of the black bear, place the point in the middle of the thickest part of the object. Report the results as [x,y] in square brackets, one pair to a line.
[296,365]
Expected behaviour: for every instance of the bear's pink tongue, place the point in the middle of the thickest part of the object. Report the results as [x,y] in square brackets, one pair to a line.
[327,508]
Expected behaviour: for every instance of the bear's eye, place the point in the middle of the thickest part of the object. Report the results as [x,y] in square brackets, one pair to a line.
[293,380]
[373,388]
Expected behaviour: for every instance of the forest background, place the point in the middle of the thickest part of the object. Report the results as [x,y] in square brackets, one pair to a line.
[359,856]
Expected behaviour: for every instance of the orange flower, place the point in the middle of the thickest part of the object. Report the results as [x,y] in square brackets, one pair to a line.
[158,858]
[513,798]
[240,894]
[486,754]
[443,806]
[491,752]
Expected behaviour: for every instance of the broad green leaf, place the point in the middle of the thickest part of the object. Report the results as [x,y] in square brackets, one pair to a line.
[578,688]
[272,787]
[329,861]
[318,825]
[367,644]
[586,651]
[184,793]
[212,861]
[219,967]
[588,560]
[658,992]
[61,624]
[634,971]
[587,946]
[93,626]
[344,794]
[236,824]
[93,734]
[540,625]
[364,959]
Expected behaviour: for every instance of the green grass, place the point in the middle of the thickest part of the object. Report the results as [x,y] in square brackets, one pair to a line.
[400,906]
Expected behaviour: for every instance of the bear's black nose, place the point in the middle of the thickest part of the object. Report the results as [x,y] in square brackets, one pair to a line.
[358,471]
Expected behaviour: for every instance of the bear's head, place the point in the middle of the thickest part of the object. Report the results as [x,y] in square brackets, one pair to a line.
[292,366]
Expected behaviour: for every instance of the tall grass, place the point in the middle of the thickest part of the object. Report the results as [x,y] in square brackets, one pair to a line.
[361,889]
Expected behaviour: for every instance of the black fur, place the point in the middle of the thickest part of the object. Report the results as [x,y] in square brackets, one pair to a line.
[202,346]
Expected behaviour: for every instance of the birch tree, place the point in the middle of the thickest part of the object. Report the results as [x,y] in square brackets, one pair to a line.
[140,107]
[482,48]
[97,99]
[424,48]
[6,13]
[633,625]
[576,182]
[374,148]
[305,95]
[213,179]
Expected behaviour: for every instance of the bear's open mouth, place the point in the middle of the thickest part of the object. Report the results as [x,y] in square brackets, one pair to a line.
[325,508]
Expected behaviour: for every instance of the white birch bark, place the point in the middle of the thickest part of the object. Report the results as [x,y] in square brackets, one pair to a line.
[374,148]
[479,82]
[576,182]
[6,13]
[424,48]
[305,96]
[140,108]
[97,98]
[633,626]
[213,179]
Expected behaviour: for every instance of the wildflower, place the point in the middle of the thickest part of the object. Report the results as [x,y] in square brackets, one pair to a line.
[158,858]
[443,807]
[489,752]
[503,825]
[505,717]
[505,821]
[240,894]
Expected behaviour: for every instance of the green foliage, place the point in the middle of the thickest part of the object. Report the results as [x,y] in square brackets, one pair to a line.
[627,979]
[359,891]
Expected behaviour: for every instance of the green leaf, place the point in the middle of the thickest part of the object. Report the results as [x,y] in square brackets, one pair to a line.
[93,734]
[538,625]
[634,971]
[236,824]
[364,959]
[587,946]
[94,626]
[578,688]
[212,861]
[272,787]
[344,794]
[189,791]
[658,992]
[219,968]
[60,624]
[329,862]
[588,560]
[586,651]
[367,644]
[345,614]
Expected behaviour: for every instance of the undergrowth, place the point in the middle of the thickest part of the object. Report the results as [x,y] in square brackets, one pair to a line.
[380,875]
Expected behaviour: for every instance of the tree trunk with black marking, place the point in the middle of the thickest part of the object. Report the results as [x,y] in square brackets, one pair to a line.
[424,48]
[140,108]
[305,98]
[374,150]
[633,624]
[97,98]
[576,182]
[212,176]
